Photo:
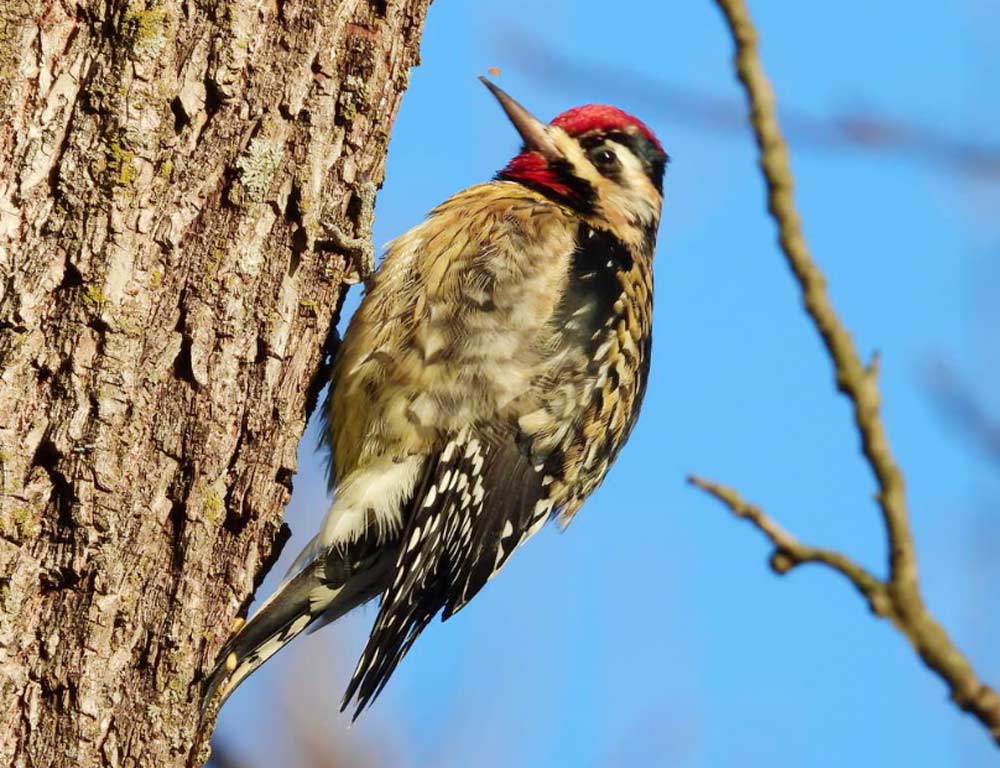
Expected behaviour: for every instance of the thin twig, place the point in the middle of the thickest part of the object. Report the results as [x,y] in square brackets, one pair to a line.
[790,552]
[898,597]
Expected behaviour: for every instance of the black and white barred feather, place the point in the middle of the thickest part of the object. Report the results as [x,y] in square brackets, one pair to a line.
[479,500]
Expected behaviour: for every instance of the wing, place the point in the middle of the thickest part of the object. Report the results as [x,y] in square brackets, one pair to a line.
[479,500]
[457,298]
[482,495]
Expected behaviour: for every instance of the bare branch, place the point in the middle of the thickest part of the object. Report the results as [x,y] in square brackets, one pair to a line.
[898,598]
[790,552]
[854,379]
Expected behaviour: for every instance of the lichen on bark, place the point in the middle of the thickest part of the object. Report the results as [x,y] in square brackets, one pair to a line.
[155,365]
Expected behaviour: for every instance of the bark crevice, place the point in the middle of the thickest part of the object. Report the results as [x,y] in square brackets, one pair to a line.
[164,323]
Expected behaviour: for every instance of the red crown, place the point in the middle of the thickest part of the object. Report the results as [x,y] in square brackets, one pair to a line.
[603,117]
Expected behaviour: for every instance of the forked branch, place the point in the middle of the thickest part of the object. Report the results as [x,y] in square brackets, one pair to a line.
[896,598]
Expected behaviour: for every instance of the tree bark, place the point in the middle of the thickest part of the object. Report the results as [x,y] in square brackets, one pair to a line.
[166,298]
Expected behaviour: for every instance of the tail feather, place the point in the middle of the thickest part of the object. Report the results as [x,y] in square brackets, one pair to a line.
[309,555]
[308,597]
[272,627]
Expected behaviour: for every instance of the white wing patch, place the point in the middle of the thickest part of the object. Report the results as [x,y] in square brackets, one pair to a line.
[380,488]
[478,502]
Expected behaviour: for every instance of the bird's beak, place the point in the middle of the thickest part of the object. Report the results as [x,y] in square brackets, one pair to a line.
[533,131]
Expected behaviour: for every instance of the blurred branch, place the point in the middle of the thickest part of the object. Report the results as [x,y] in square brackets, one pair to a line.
[307,699]
[846,131]
[898,597]
[223,756]
[958,401]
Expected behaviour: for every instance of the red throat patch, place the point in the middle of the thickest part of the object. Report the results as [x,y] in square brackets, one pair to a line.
[533,169]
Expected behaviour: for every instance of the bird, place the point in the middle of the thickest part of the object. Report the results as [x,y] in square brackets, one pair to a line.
[485,385]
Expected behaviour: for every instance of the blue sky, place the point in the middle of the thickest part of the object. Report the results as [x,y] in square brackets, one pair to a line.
[651,633]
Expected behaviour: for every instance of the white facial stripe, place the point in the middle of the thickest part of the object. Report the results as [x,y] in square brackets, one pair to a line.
[627,206]
[573,152]
[633,172]
[640,197]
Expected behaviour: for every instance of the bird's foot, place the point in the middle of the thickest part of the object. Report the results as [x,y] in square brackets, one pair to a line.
[359,248]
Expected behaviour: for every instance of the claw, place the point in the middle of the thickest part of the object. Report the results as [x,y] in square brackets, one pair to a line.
[360,248]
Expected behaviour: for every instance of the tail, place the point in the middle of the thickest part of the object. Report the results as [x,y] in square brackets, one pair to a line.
[307,597]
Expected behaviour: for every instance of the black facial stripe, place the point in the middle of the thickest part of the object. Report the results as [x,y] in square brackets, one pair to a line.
[583,192]
[605,159]
[581,195]
[654,161]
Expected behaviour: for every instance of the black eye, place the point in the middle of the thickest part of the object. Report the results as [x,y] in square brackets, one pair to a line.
[603,158]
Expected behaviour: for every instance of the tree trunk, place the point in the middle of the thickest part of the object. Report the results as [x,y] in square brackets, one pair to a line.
[165,306]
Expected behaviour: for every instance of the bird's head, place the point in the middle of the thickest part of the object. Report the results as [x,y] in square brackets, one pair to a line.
[597,159]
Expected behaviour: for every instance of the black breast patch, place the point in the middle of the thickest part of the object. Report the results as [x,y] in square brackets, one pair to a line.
[594,285]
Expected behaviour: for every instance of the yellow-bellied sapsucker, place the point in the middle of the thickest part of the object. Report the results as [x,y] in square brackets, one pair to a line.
[487,382]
